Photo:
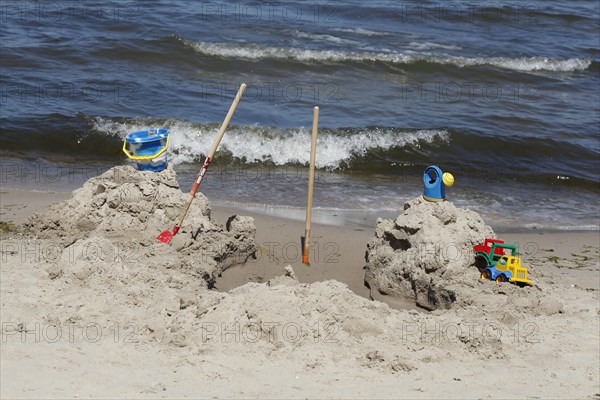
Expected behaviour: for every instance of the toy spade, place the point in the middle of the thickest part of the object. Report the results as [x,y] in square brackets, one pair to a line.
[167,235]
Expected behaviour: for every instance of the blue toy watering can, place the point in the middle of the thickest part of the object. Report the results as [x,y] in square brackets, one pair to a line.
[435,182]
[148,149]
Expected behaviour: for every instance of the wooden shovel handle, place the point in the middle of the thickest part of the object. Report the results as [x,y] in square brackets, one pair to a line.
[210,155]
[232,108]
[311,180]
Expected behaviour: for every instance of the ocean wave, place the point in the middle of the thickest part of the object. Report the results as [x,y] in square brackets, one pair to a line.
[361,31]
[255,52]
[560,227]
[324,38]
[335,149]
[432,46]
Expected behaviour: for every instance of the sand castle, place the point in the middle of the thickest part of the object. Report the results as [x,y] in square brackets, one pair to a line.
[425,253]
[115,218]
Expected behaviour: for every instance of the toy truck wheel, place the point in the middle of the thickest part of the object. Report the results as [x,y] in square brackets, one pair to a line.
[501,278]
[486,275]
[480,262]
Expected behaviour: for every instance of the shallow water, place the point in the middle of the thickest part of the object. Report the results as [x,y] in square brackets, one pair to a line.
[503,95]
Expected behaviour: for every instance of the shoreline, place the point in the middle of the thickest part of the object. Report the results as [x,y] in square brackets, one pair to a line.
[338,251]
[33,200]
[342,199]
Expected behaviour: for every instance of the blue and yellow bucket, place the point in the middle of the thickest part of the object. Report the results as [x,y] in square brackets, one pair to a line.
[148,149]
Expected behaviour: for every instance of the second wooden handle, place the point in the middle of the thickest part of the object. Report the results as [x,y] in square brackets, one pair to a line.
[311,179]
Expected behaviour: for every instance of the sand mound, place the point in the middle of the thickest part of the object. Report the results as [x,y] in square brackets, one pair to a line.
[121,200]
[317,324]
[426,253]
[108,228]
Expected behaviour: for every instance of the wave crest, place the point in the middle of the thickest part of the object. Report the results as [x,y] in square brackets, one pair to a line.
[255,52]
[335,149]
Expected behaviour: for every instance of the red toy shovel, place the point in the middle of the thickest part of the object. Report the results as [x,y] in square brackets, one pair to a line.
[167,235]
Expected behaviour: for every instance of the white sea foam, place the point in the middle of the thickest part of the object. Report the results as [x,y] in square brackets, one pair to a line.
[255,143]
[431,46]
[255,52]
[324,38]
[361,31]
[559,227]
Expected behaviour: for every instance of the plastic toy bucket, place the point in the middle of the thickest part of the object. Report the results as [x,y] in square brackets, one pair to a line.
[148,149]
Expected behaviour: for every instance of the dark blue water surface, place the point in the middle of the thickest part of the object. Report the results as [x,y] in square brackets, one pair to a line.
[505,95]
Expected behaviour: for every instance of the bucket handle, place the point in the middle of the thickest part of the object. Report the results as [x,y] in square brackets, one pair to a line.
[146,158]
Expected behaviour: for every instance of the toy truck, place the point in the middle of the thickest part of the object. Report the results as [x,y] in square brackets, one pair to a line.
[483,250]
[507,269]
[492,250]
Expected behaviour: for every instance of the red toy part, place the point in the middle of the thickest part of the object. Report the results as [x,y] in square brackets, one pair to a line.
[486,248]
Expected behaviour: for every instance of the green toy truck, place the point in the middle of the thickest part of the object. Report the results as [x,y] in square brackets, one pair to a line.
[501,267]
[492,249]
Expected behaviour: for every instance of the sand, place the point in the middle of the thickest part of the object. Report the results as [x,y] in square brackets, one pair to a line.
[133,327]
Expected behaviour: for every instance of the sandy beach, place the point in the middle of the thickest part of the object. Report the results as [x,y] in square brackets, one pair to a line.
[149,332]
